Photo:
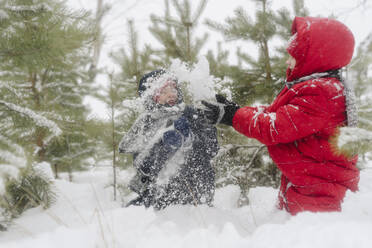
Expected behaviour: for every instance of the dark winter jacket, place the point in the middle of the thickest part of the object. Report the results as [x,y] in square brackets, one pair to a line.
[298,125]
[172,148]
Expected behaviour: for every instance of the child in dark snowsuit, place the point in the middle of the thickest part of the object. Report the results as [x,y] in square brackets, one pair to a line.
[172,146]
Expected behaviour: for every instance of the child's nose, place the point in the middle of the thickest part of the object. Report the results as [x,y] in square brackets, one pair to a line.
[173,92]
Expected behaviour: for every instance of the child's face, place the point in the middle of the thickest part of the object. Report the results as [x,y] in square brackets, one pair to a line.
[291,62]
[168,94]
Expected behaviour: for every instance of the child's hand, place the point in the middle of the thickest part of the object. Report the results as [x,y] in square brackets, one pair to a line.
[172,138]
[222,112]
[193,114]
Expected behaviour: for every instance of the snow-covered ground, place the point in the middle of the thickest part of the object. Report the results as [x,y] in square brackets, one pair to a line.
[86,216]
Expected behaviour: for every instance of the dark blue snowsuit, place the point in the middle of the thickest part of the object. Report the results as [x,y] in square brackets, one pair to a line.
[183,141]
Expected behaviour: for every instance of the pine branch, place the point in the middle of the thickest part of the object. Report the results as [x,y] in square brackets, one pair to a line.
[353,141]
[39,120]
[199,10]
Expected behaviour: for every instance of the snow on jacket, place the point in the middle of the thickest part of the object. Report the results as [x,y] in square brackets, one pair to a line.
[172,154]
[297,126]
[172,148]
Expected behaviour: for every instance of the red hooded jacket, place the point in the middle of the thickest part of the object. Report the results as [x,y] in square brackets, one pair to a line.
[297,126]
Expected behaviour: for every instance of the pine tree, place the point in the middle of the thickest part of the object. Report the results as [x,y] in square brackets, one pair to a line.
[219,64]
[44,52]
[133,63]
[101,11]
[259,79]
[123,87]
[113,97]
[363,82]
[358,140]
[176,33]
[260,76]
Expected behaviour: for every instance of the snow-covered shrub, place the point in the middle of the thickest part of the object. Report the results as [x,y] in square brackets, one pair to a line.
[125,194]
[31,189]
[5,219]
[244,162]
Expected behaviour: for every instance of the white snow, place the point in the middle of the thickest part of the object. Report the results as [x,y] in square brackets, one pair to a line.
[86,216]
[39,120]
[6,170]
[200,83]
[12,158]
[337,86]
[260,110]
[272,116]
[173,166]
[32,7]
[291,40]
[18,149]
[45,168]
[353,134]
[3,15]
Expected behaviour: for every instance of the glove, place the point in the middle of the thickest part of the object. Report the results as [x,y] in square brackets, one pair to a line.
[172,139]
[223,112]
[195,117]
[192,113]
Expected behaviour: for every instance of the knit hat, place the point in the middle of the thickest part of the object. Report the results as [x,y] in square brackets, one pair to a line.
[142,86]
[152,83]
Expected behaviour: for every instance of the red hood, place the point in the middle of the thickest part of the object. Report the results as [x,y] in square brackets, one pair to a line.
[321,44]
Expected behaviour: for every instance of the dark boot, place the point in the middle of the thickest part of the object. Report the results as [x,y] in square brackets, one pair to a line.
[135,202]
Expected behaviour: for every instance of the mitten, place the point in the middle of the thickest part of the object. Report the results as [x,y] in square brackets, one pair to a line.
[172,139]
[230,109]
[222,112]
[182,125]
[193,114]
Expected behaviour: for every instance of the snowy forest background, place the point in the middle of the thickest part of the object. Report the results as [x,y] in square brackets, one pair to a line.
[50,64]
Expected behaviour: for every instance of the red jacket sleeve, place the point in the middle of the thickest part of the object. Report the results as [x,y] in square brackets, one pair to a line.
[303,115]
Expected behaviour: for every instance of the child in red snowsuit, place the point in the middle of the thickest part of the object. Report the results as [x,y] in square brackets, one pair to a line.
[298,125]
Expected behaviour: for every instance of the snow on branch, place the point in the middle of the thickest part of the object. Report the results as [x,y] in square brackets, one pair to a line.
[8,170]
[354,139]
[18,149]
[3,15]
[353,134]
[367,110]
[12,159]
[33,7]
[365,121]
[11,89]
[39,120]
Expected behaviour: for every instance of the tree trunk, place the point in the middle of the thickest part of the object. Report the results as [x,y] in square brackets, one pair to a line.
[113,143]
[69,167]
[69,170]
[265,48]
[188,26]
[56,171]
[267,62]
[39,133]
[97,44]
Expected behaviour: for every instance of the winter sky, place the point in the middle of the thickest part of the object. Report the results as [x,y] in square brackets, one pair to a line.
[356,16]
